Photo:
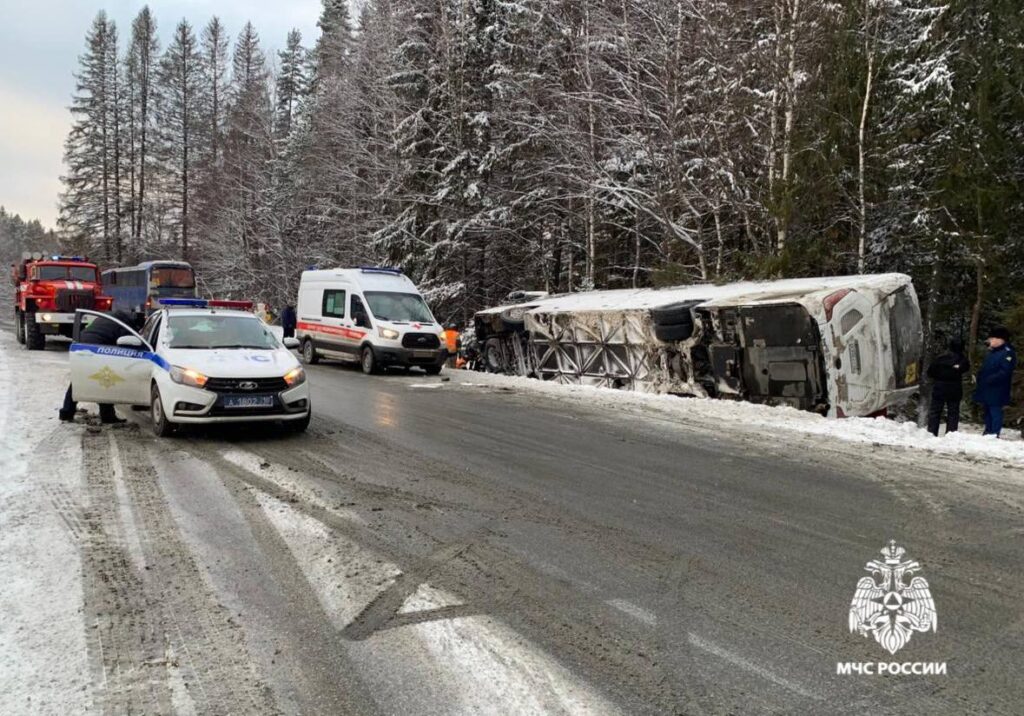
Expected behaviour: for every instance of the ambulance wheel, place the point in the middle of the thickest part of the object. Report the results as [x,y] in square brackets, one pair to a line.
[309,354]
[19,328]
[368,361]
[34,338]
[162,427]
[433,369]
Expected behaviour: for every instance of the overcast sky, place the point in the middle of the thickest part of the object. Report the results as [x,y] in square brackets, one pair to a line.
[40,41]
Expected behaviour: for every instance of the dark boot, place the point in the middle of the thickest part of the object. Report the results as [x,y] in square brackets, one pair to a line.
[108,416]
[67,411]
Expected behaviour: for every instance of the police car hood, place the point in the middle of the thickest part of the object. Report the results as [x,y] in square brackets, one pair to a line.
[235,362]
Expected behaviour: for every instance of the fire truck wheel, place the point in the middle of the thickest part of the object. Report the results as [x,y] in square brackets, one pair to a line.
[19,328]
[162,427]
[34,338]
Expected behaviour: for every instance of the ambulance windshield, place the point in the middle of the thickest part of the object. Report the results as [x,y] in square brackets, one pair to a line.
[398,307]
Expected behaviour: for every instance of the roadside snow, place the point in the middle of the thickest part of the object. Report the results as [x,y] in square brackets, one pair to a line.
[764,419]
[43,663]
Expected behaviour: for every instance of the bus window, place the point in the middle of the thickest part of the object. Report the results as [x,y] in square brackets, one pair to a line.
[172,278]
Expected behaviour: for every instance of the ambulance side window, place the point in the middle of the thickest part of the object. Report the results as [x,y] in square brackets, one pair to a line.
[359,314]
[334,303]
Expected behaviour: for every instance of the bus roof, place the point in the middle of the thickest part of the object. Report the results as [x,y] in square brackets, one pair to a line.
[152,264]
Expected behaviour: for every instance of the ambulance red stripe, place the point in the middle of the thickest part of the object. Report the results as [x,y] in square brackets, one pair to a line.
[330,330]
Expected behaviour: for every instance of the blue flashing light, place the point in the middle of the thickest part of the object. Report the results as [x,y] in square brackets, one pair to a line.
[184,302]
[381,269]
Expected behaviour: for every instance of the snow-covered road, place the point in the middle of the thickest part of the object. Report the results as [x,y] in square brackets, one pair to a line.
[490,545]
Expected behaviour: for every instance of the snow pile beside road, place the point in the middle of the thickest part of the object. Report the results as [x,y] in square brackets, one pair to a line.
[43,666]
[718,414]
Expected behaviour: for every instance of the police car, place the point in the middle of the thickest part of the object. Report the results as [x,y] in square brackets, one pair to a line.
[195,361]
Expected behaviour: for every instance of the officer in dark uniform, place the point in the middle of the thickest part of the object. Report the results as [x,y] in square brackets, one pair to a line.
[947,373]
[101,332]
[994,379]
[288,321]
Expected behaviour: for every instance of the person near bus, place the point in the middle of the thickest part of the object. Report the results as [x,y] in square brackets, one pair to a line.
[947,372]
[100,332]
[995,378]
[452,343]
[288,321]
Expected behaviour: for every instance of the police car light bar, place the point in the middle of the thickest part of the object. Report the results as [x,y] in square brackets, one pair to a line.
[224,303]
[381,269]
[183,302]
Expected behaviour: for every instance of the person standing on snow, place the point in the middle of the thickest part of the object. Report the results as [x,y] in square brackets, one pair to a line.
[994,379]
[101,332]
[947,373]
[288,321]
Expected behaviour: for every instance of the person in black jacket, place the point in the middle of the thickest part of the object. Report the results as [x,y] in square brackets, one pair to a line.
[100,332]
[288,321]
[947,373]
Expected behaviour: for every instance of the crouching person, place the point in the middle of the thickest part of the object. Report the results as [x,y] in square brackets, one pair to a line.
[100,332]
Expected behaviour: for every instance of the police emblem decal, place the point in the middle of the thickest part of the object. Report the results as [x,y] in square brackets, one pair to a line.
[888,607]
[107,378]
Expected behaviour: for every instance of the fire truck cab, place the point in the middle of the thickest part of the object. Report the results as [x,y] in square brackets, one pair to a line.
[48,291]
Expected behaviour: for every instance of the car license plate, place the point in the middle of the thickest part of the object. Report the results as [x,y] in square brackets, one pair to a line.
[248,401]
[423,354]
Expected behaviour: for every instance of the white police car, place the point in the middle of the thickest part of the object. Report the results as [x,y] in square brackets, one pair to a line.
[196,361]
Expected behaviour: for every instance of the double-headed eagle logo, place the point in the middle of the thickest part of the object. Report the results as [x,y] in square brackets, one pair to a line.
[889,608]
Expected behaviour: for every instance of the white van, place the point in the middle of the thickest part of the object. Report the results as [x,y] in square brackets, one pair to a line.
[373,316]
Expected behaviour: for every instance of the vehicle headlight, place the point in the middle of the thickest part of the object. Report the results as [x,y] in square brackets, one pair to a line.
[389,333]
[294,377]
[187,376]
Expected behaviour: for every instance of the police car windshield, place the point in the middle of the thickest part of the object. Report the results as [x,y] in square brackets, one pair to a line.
[212,331]
[388,306]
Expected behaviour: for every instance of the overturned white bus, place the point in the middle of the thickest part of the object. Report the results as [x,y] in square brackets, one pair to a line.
[843,346]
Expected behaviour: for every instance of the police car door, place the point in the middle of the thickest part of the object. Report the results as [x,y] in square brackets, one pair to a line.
[110,374]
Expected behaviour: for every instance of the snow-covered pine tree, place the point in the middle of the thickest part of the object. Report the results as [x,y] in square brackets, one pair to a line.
[143,52]
[87,205]
[178,114]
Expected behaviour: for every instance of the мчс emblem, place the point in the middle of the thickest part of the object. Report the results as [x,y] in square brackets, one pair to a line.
[888,607]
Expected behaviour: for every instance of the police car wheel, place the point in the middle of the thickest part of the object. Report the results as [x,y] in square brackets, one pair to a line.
[162,427]
[368,361]
[300,425]
[309,354]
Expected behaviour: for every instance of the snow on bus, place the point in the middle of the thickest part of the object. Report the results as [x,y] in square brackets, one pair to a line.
[839,346]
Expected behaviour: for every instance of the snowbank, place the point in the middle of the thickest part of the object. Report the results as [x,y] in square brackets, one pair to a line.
[43,663]
[767,419]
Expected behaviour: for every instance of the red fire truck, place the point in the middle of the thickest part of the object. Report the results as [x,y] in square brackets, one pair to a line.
[49,289]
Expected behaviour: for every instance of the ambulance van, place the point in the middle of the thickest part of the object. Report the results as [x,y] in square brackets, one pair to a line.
[372,316]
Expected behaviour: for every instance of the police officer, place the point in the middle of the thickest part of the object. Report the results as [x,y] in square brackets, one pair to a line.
[101,332]
[994,379]
[947,373]
[288,321]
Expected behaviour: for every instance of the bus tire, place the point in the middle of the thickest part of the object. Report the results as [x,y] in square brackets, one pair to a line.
[309,354]
[34,338]
[672,332]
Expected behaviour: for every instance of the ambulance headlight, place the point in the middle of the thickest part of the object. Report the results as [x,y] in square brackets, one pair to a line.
[295,377]
[187,376]
[388,333]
